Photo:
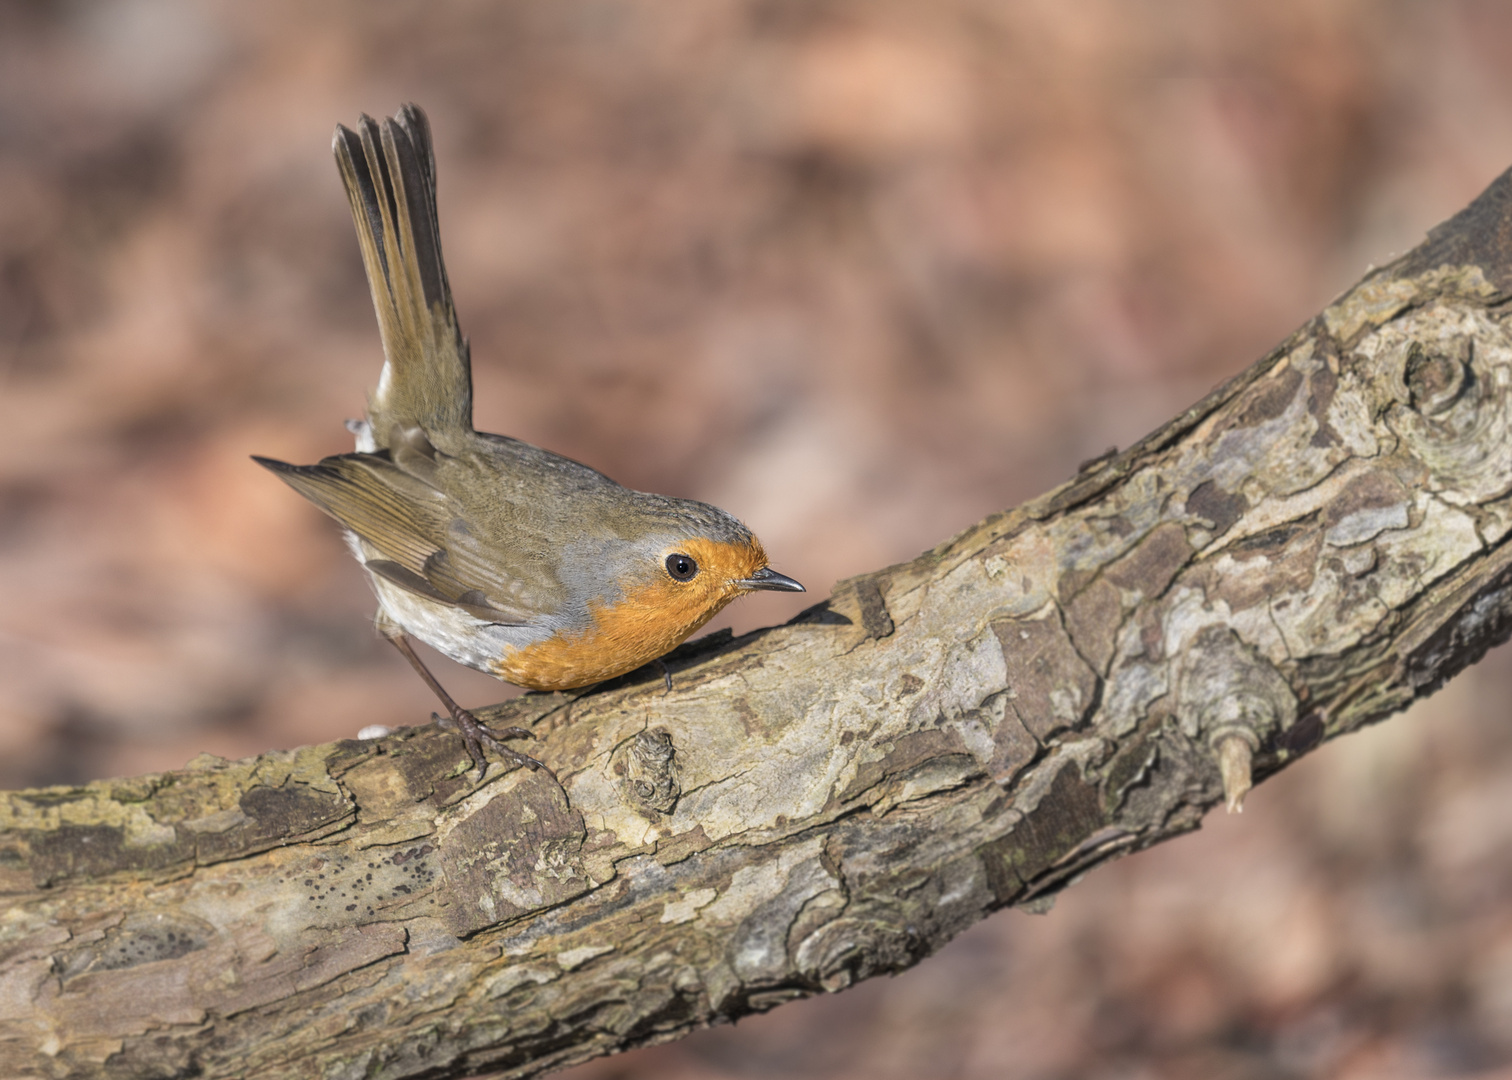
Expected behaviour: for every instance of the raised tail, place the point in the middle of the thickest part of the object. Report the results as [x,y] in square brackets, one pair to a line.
[390,175]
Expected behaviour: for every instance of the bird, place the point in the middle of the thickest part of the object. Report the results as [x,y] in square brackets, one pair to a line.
[501,555]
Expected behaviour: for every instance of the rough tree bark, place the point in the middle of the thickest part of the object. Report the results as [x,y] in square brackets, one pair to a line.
[1306,551]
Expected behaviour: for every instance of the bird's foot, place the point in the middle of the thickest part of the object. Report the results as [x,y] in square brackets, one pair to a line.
[476,735]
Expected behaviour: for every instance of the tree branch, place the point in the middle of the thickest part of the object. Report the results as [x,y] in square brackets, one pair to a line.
[1306,551]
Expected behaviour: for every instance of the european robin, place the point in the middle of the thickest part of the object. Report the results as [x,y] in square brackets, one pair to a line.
[506,557]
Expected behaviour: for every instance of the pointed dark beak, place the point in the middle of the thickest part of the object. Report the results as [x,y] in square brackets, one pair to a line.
[767,578]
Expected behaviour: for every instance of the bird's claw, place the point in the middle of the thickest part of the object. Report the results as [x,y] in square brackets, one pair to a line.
[476,735]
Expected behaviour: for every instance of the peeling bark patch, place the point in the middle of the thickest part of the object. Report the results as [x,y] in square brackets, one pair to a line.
[1267,543]
[96,851]
[1269,398]
[1015,749]
[1216,506]
[141,938]
[849,950]
[1475,240]
[290,811]
[427,766]
[286,973]
[1092,620]
[675,849]
[1149,568]
[270,816]
[519,851]
[1097,462]
[1273,571]
[686,907]
[1367,524]
[1482,624]
[759,948]
[1069,813]
[343,889]
[875,619]
[1372,503]
[1302,736]
[1129,768]
[1066,815]
[1433,267]
[877,780]
[1323,385]
[1051,687]
[221,980]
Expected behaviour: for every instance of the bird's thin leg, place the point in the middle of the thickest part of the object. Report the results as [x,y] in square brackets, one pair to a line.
[474,733]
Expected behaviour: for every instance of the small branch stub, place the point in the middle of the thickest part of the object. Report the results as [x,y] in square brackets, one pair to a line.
[1235,756]
[1235,700]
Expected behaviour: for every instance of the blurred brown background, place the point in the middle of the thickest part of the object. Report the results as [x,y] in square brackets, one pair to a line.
[860,272]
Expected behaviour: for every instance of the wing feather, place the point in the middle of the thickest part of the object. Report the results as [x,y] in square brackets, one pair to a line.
[412,527]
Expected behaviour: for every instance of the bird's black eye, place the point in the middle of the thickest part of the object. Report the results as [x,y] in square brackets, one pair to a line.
[681,567]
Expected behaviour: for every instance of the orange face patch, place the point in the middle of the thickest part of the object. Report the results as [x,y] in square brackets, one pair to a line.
[640,626]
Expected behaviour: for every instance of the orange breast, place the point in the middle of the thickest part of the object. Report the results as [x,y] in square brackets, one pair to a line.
[621,639]
[641,626]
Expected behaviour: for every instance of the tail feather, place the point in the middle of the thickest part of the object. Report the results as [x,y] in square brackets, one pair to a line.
[389,171]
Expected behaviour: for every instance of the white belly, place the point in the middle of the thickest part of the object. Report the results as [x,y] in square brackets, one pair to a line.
[449,630]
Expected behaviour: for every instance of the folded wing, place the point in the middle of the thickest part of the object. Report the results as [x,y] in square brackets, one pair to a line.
[422,544]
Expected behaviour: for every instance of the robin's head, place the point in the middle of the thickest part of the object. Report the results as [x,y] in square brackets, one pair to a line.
[672,567]
[666,567]
[706,571]
[689,559]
